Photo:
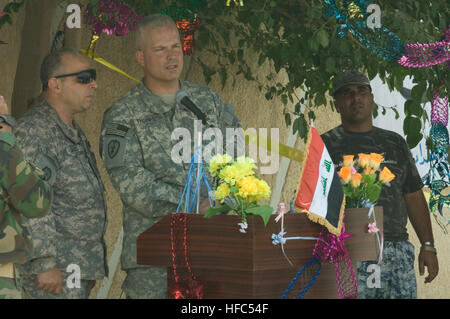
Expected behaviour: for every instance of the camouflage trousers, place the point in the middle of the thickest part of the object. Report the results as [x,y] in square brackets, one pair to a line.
[32,291]
[145,283]
[10,288]
[394,278]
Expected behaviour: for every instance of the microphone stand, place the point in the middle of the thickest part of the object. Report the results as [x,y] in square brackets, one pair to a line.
[199,160]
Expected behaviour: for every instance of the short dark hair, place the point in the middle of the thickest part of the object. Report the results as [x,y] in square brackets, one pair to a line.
[52,63]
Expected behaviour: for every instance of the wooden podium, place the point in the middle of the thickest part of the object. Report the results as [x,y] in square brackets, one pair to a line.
[231,264]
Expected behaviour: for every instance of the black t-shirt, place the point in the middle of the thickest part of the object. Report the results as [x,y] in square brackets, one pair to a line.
[397,157]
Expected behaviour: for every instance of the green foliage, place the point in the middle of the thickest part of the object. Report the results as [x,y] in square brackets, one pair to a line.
[295,36]
[10,8]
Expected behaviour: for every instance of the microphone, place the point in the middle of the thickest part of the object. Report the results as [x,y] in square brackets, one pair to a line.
[182,98]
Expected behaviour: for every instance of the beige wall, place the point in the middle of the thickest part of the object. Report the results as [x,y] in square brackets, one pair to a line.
[251,107]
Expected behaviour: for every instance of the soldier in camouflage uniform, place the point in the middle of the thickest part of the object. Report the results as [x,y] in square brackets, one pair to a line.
[72,233]
[402,199]
[136,144]
[22,192]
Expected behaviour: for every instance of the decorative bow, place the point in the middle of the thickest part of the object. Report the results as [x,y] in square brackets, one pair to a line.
[331,248]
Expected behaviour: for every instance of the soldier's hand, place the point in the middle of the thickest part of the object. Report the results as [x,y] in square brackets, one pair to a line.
[3,106]
[50,281]
[4,110]
[428,259]
[204,206]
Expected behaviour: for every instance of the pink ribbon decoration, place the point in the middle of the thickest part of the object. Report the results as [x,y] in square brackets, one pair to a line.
[331,248]
[418,55]
[282,209]
[439,109]
[372,228]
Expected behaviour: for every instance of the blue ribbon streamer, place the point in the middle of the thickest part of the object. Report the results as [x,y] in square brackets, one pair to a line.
[308,264]
[279,239]
[187,192]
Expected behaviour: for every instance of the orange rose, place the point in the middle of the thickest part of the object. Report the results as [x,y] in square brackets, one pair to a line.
[375,160]
[386,175]
[348,160]
[363,159]
[345,174]
[356,180]
[368,170]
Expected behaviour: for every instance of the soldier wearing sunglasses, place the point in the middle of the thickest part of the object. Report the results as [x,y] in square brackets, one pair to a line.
[72,232]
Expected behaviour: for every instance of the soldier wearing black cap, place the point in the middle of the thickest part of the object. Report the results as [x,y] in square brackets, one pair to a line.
[403,199]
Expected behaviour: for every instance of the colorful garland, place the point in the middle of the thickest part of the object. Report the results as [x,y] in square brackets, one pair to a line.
[331,248]
[110,17]
[352,17]
[428,54]
[5,15]
[389,47]
[438,178]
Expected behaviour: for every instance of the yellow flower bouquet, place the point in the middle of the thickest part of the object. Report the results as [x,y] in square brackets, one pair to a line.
[362,179]
[238,189]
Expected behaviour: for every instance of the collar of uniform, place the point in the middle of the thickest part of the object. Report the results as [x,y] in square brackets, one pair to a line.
[370,132]
[70,133]
[152,101]
[7,138]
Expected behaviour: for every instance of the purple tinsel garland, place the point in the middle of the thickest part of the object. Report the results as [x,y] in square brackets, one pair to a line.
[110,17]
[427,54]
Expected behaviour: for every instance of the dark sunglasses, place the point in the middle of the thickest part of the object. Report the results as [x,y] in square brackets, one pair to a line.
[83,77]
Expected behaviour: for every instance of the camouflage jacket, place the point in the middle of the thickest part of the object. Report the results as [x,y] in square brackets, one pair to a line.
[22,192]
[72,233]
[137,149]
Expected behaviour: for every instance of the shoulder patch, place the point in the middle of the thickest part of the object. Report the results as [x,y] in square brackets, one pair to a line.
[48,166]
[113,144]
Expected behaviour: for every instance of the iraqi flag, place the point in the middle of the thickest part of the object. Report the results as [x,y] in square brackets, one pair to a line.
[319,192]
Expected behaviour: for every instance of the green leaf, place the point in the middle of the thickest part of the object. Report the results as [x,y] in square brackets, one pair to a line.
[369,178]
[396,112]
[287,119]
[413,139]
[298,108]
[413,107]
[418,91]
[411,125]
[330,65]
[264,211]
[322,35]
[212,211]
[311,115]
[301,126]
[313,44]
[261,59]
[223,76]
[375,111]
[373,192]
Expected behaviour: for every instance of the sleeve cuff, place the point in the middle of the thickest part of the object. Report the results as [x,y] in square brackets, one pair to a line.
[7,137]
[38,266]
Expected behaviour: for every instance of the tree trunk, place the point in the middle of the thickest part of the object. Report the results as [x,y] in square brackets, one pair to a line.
[35,45]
